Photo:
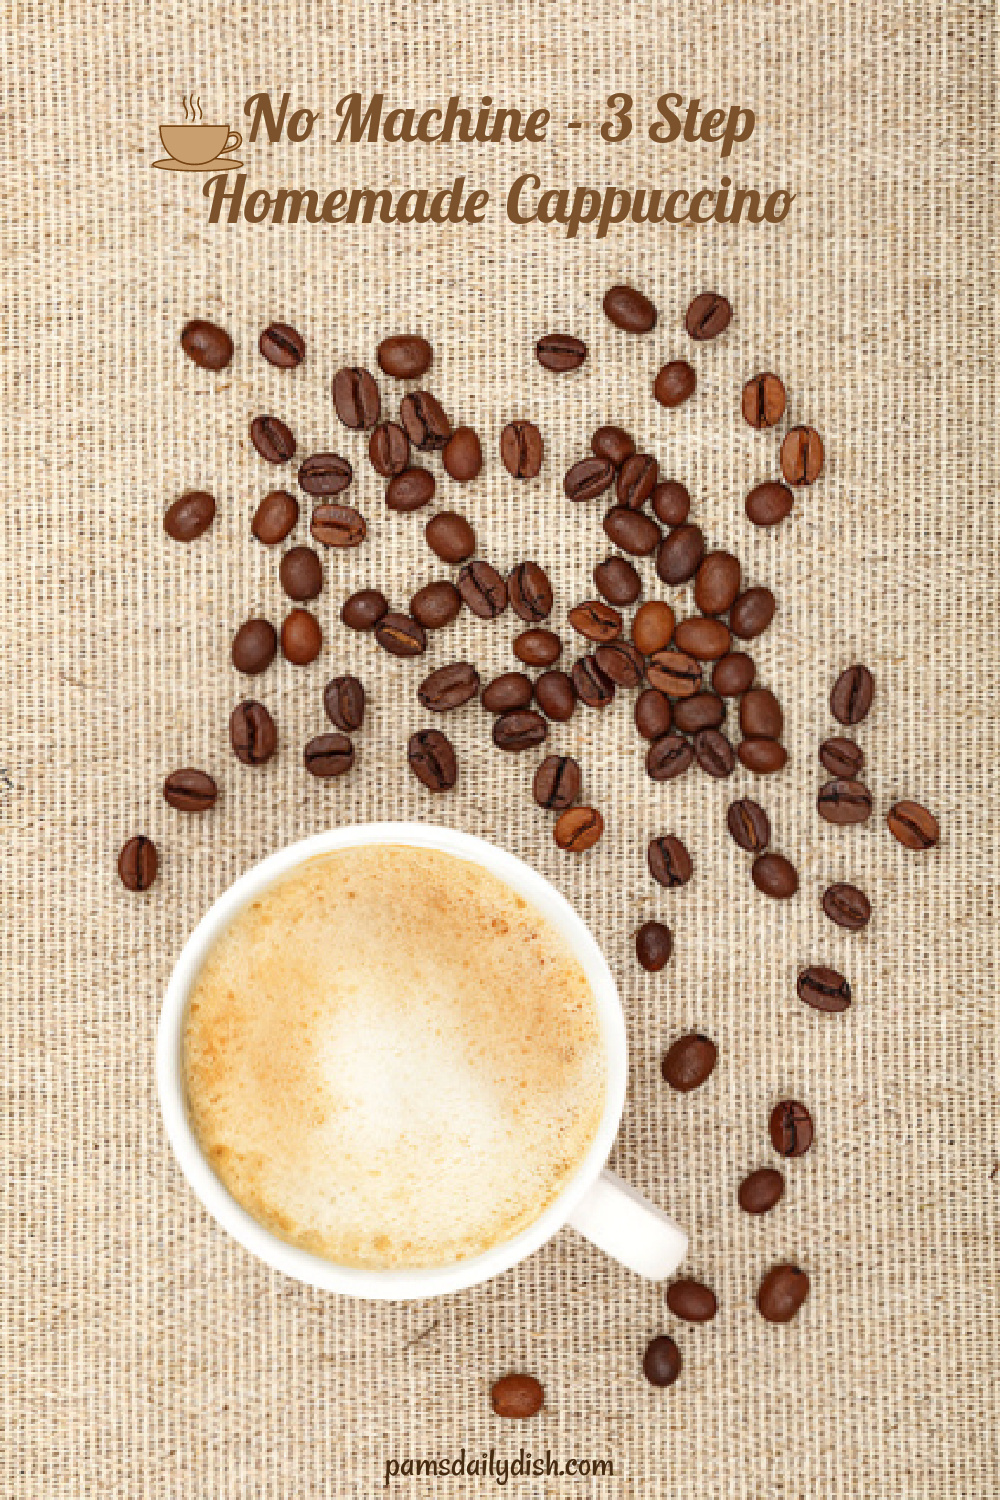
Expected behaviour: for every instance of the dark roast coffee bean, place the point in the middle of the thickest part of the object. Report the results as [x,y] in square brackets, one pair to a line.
[537,648]
[190,791]
[844,802]
[760,715]
[529,592]
[852,694]
[714,753]
[272,439]
[190,516]
[301,637]
[802,455]
[847,906]
[255,645]
[138,863]
[450,536]
[717,582]
[692,1301]
[761,1191]
[275,517]
[612,443]
[578,829]
[674,673]
[483,590]
[328,755]
[400,634]
[654,944]
[344,701]
[842,758]
[431,758]
[733,674]
[595,621]
[653,716]
[749,825]
[763,757]
[325,474]
[206,345]
[592,686]
[703,711]
[671,503]
[618,580]
[411,490]
[636,480]
[508,691]
[629,309]
[790,1128]
[913,826]
[521,450]
[763,400]
[363,610]
[356,397]
[282,345]
[703,638]
[823,989]
[389,449]
[338,525]
[405,356]
[557,782]
[560,352]
[775,876]
[301,574]
[661,1363]
[522,729]
[423,416]
[680,554]
[752,613]
[620,661]
[668,757]
[632,531]
[781,1293]
[707,316]
[517,1397]
[436,604]
[589,478]
[669,862]
[252,733]
[462,455]
[449,687]
[768,504]
[689,1061]
[556,696]
[675,383]
[653,627]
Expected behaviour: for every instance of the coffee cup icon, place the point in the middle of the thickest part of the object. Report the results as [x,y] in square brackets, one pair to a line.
[198,148]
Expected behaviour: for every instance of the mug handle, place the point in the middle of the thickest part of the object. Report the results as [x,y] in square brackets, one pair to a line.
[626,1226]
[233,142]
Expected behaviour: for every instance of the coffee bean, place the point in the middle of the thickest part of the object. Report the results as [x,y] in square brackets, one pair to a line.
[763,400]
[653,627]
[629,310]
[449,687]
[517,1397]
[338,525]
[636,480]
[363,610]
[325,474]
[768,504]
[530,592]
[842,758]
[521,450]
[705,639]
[851,695]
[689,1062]
[344,702]
[275,517]
[356,397]
[618,580]
[556,696]
[272,439]
[707,316]
[578,829]
[612,443]
[328,755]
[522,729]
[301,574]
[462,455]
[450,536]
[752,613]
[844,802]
[557,782]
[508,691]
[781,1293]
[483,590]
[190,791]
[761,1191]
[775,876]
[589,478]
[654,944]
[717,582]
[632,531]
[763,757]
[138,863]
[254,647]
[913,826]
[703,711]
[252,733]
[301,637]
[733,674]
[714,754]
[824,989]
[206,345]
[674,673]
[190,516]
[537,648]
[802,455]
[405,356]
[595,621]
[692,1301]
[667,757]
[400,634]
[436,604]
[620,661]
[749,825]
[661,1363]
[669,862]
[790,1128]
[671,502]
[680,554]
[389,449]
[282,345]
[760,715]
[560,352]
[411,490]
[675,383]
[847,906]
[592,686]
[431,758]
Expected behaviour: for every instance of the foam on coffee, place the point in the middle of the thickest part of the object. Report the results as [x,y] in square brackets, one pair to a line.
[392,1059]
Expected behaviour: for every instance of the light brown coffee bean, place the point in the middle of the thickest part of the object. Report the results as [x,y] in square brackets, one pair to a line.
[653,627]
[301,637]
[913,826]
[763,757]
[802,456]
[703,638]
[578,829]
[675,673]
[338,526]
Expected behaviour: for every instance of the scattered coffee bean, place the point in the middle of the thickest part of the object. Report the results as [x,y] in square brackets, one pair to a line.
[703,711]
[338,525]
[530,592]
[653,627]
[618,580]
[653,715]
[557,782]
[852,694]
[844,802]
[703,638]
[680,554]
[275,517]
[301,574]
[328,755]
[450,536]
[138,863]
[629,310]
[405,356]
[620,661]
[752,613]
[578,829]
[632,531]
[763,400]
[707,316]
[612,443]
[389,449]
[462,455]
[522,729]
[595,621]
[636,480]
[190,516]
[775,876]
[761,1191]
[411,490]
[654,944]
[790,1128]
[749,825]
[537,648]
[255,645]
[449,687]
[363,610]
[508,691]
[768,504]
[781,1293]
[675,673]
[668,757]
[847,906]
[593,687]
[517,1397]
[560,352]
[842,758]
[763,757]
[717,582]
[356,397]
[733,674]
[692,1301]
[483,590]
[206,345]
[521,450]
[325,474]
[400,634]
[669,862]
[802,455]
[301,637]
[282,345]
[253,733]
[589,478]
[556,696]
[714,754]
[344,702]
[824,989]
[675,383]
[689,1062]
[425,420]
[273,440]
[671,503]
[436,604]
[661,1363]
[431,757]
[190,791]
[760,715]
[913,826]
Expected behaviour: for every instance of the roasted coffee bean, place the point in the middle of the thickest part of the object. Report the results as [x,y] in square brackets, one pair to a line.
[768,504]
[301,574]
[669,862]
[653,627]
[272,439]
[595,621]
[749,825]
[844,802]
[671,502]
[344,701]
[717,582]
[578,829]
[190,791]
[508,691]
[589,478]
[823,989]
[653,715]
[760,715]
[400,634]
[537,648]
[667,757]
[411,490]
[593,687]
[674,673]
[714,754]
[560,352]
[206,345]
[450,536]
[405,356]
[775,876]
[851,695]
[530,592]
[636,480]
[913,826]
[680,554]
[632,531]
[483,590]
[802,455]
[449,687]
[763,757]
[431,757]
[556,696]
[301,637]
[338,525]
[325,474]
[661,1363]
[612,443]
[847,906]
[703,711]
[781,1293]
[654,944]
[620,661]
[426,422]
[703,638]
[557,782]
[462,455]
[255,645]
[522,729]
[708,315]
[752,613]
[521,450]
[363,610]
[356,397]
[389,449]
[675,382]
[629,310]
[618,580]
[733,674]
[282,345]
[790,1128]
[763,400]
[517,1397]
[275,517]
[842,758]
[692,1301]
[138,863]
[761,1191]
[436,604]
[328,755]
[252,733]
[190,516]
[689,1062]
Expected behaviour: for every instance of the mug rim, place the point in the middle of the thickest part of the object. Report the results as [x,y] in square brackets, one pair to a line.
[316,1270]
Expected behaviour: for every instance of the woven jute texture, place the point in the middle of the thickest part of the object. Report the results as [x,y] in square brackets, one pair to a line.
[144,1353]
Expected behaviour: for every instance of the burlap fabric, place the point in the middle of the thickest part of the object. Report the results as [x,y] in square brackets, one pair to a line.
[144,1353]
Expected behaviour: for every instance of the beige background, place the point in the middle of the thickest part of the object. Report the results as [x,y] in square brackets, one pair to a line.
[143,1352]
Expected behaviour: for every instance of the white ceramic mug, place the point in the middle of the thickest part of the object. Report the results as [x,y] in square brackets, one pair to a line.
[594,1201]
